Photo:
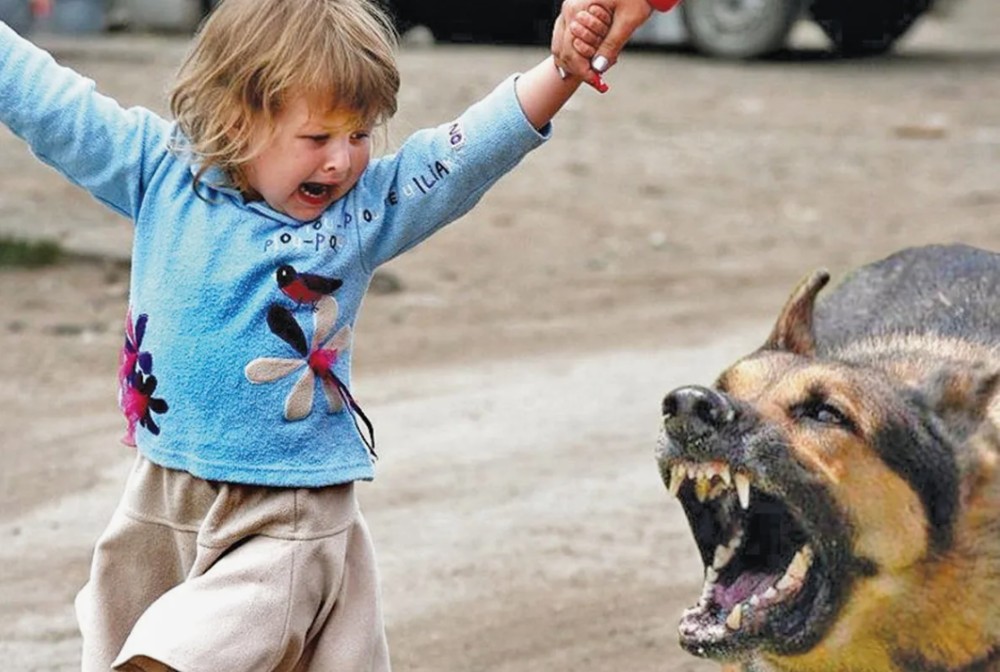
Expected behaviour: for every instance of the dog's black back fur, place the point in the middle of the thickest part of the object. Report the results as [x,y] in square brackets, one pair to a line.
[943,290]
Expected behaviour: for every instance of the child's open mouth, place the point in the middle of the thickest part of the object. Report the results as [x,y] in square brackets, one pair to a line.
[314,192]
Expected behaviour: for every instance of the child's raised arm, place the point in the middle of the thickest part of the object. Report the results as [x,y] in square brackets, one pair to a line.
[86,136]
[542,92]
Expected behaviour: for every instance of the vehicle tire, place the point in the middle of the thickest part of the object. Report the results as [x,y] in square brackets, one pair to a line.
[864,28]
[741,29]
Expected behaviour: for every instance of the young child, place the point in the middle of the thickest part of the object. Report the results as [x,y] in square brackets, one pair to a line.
[260,218]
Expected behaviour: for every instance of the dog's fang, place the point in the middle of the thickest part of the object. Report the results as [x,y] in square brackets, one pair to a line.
[723,554]
[676,478]
[786,582]
[727,477]
[701,487]
[743,490]
[800,564]
[735,618]
[795,572]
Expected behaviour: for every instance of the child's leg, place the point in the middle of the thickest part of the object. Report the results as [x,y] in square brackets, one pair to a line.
[135,561]
[356,618]
[263,581]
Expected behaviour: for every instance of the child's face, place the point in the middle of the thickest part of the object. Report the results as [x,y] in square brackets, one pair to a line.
[310,160]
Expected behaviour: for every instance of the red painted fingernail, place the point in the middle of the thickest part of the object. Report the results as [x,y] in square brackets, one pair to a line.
[600,84]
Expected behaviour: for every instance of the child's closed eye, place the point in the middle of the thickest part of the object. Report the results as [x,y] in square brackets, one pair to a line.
[323,138]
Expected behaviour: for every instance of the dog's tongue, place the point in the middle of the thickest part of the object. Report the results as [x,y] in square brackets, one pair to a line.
[745,585]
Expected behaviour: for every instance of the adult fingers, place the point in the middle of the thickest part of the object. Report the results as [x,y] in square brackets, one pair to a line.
[564,51]
[590,27]
[628,15]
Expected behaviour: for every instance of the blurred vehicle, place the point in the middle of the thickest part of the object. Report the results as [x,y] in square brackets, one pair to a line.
[740,29]
[513,22]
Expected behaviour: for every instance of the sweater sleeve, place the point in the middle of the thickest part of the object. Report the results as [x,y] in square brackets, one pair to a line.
[439,174]
[109,151]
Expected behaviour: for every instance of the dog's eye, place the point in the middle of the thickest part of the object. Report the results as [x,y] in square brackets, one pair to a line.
[824,413]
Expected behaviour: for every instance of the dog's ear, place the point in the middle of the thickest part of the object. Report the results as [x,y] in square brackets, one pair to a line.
[964,399]
[962,396]
[793,331]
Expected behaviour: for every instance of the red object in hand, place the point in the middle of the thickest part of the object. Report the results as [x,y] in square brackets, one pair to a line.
[663,5]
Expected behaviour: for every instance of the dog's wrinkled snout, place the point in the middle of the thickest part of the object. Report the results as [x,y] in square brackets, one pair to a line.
[697,405]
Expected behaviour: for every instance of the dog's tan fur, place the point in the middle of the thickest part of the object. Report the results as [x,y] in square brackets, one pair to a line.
[931,606]
[943,609]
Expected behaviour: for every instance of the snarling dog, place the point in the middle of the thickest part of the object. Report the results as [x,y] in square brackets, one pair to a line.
[842,482]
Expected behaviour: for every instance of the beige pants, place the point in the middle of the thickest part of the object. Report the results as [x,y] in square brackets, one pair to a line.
[204,576]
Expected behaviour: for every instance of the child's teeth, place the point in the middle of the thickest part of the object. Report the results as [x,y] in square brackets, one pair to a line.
[314,189]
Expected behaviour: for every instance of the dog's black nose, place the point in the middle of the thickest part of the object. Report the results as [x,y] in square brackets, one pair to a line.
[694,402]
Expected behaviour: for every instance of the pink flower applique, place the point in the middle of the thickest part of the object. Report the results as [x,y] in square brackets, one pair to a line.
[136,382]
[131,358]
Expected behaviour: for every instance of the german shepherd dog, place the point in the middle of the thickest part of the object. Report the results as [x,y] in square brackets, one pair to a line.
[842,482]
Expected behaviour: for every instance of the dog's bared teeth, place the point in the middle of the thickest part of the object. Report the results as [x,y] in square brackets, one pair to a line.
[723,554]
[711,479]
[735,618]
[743,489]
[797,570]
[717,489]
[724,472]
[677,473]
[799,566]
[786,582]
[701,488]
[711,576]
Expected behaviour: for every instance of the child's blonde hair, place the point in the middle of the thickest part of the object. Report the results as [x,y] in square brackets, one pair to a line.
[251,56]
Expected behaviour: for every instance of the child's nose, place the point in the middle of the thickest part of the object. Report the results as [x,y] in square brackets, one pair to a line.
[338,157]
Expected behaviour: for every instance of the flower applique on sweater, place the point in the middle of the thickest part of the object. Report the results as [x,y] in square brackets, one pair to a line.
[317,358]
[136,382]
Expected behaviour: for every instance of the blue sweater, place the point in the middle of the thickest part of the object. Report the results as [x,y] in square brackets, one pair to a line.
[237,360]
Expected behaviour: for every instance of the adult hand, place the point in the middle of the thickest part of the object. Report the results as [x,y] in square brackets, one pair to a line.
[573,37]
[578,32]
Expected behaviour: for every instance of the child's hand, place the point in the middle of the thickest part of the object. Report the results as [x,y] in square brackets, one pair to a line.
[578,33]
[588,29]
[605,43]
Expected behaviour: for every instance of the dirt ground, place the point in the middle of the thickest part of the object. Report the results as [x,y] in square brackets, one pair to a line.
[515,373]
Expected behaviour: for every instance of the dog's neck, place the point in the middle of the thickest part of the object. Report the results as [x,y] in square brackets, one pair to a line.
[989,663]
